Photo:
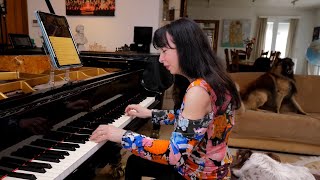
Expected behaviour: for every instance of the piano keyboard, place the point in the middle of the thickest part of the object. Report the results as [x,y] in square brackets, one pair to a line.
[65,155]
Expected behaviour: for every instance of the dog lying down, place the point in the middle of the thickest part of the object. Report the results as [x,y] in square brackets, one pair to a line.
[260,166]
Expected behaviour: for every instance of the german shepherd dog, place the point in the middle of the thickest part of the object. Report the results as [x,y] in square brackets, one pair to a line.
[272,88]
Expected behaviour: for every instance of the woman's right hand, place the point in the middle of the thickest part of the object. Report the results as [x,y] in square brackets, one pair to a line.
[138,111]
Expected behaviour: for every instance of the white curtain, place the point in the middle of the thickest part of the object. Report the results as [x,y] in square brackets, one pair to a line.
[260,37]
[312,69]
[291,37]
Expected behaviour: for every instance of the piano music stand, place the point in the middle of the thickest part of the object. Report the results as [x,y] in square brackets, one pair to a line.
[51,83]
[59,44]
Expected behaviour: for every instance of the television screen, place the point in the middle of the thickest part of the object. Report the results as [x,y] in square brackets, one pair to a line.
[142,35]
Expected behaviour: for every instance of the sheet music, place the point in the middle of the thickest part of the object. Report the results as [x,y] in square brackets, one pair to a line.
[65,50]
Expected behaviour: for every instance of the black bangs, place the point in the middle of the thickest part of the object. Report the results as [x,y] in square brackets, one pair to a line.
[160,38]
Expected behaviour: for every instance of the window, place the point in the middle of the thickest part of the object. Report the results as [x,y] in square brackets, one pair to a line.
[276,36]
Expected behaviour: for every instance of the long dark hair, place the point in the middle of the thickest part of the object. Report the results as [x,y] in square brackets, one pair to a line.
[196,57]
[180,86]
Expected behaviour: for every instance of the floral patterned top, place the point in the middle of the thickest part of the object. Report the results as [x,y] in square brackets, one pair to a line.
[197,148]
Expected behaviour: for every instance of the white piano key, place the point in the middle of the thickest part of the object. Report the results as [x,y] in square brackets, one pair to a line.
[122,121]
[147,102]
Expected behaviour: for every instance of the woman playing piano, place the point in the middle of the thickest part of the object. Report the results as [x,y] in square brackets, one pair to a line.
[198,147]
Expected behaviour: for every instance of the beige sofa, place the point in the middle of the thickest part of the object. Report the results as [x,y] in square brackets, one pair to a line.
[284,132]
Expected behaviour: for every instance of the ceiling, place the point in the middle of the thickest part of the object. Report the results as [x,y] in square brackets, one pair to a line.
[305,4]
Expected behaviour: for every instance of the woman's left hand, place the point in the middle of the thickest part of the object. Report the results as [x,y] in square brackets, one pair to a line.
[107,132]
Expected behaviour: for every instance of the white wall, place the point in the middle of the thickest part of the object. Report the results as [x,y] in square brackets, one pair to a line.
[304,31]
[109,31]
[317,19]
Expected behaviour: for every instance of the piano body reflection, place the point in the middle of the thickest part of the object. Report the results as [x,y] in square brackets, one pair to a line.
[44,131]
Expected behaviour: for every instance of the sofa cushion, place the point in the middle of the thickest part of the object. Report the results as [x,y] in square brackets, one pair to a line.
[273,126]
[278,146]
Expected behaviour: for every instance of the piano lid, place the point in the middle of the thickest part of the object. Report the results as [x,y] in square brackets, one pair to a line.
[37,112]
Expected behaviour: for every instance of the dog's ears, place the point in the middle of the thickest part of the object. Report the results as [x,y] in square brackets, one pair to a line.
[241,157]
[244,154]
[247,154]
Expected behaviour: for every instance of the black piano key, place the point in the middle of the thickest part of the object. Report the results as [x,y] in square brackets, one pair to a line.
[78,123]
[88,117]
[68,145]
[18,175]
[48,159]
[37,153]
[31,152]
[104,120]
[22,175]
[55,145]
[68,129]
[43,143]
[67,137]
[57,136]
[10,165]
[3,172]
[79,141]
[37,164]
[53,156]
[27,152]
[86,131]
[45,150]
[32,169]
[62,153]
[33,149]
[78,130]
[93,125]
[116,115]
[82,136]
[20,162]
[28,155]
[65,147]
[12,160]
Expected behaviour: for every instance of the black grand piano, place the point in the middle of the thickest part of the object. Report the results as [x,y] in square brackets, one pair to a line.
[44,132]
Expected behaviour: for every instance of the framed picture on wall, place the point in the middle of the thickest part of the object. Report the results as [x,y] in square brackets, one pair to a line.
[235,31]
[90,7]
[316,33]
